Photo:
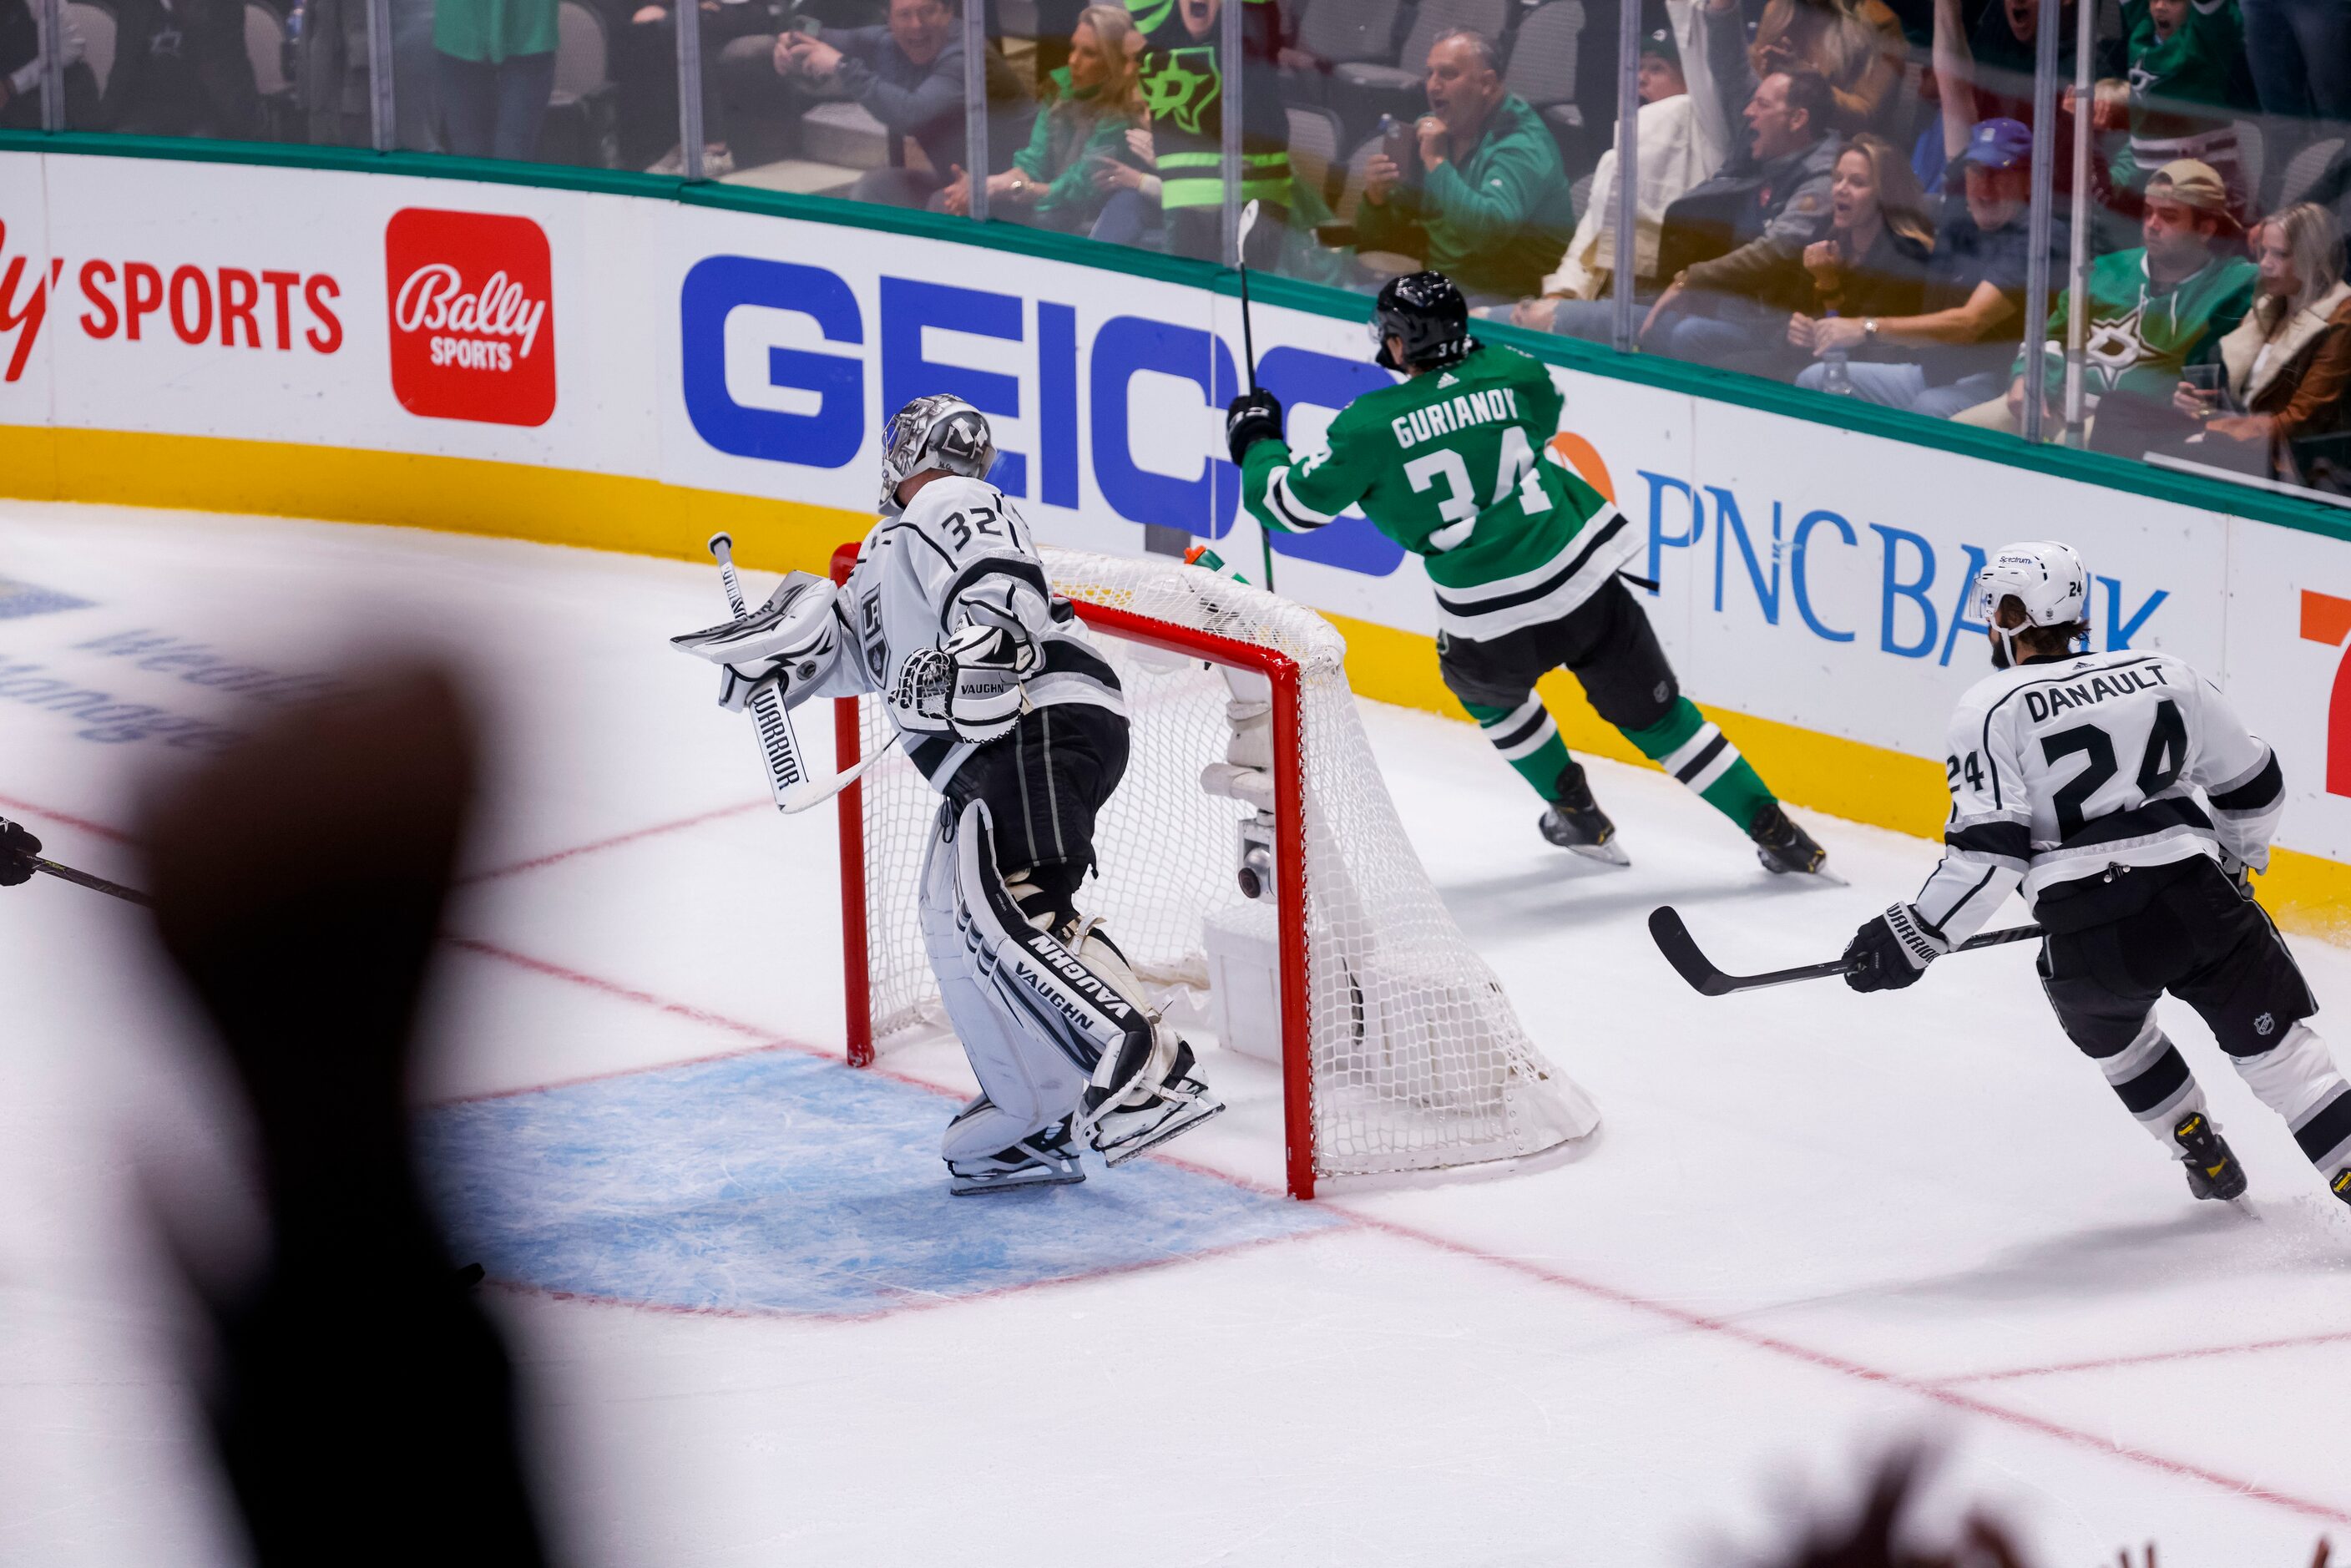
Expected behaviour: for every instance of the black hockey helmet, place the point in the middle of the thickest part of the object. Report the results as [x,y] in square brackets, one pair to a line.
[1428,312]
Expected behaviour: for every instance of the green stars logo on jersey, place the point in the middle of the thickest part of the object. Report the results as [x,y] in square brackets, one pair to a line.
[1179,85]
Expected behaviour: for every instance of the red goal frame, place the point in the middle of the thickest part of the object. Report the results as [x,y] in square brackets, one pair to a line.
[1289,853]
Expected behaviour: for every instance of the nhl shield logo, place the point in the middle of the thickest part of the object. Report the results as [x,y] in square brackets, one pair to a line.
[2265,1024]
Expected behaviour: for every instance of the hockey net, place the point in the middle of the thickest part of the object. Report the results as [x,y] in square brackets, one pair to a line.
[1399,1050]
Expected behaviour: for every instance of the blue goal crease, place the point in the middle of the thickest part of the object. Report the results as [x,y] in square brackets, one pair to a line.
[780,1183]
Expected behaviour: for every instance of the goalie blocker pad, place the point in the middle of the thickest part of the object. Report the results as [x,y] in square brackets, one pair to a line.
[1036,1021]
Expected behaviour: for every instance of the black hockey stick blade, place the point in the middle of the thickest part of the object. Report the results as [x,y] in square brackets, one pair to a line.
[1673,940]
[95,883]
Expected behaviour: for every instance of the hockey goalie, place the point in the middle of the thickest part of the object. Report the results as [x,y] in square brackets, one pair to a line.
[1016,721]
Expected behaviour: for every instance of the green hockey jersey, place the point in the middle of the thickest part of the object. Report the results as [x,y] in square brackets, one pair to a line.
[2137,339]
[1455,464]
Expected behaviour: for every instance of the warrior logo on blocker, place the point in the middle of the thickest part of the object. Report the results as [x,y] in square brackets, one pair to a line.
[472,334]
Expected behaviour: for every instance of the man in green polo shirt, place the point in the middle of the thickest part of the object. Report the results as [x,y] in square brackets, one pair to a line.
[1486,202]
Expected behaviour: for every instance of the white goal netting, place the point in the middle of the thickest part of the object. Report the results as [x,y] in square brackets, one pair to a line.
[1415,1058]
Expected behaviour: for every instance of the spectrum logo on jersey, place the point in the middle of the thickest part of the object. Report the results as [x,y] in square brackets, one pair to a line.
[472,335]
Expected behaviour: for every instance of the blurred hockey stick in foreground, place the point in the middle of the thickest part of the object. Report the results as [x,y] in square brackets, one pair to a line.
[788,776]
[20,857]
[1249,346]
[1673,940]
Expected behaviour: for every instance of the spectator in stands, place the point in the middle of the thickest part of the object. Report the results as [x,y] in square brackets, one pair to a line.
[2149,310]
[497,60]
[2298,52]
[181,69]
[907,73]
[1768,202]
[1856,46]
[644,71]
[2182,55]
[1989,77]
[1682,139]
[1090,105]
[21,58]
[1489,205]
[2288,363]
[1956,352]
[1873,261]
[1183,81]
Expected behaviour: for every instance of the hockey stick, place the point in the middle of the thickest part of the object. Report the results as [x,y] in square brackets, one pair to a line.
[95,883]
[779,748]
[1673,940]
[1248,349]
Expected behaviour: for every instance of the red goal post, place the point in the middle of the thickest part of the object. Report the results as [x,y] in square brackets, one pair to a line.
[1256,876]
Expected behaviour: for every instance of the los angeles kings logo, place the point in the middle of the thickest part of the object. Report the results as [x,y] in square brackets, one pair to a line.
[472,321]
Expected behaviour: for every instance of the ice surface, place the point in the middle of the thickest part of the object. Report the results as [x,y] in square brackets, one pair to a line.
[1811,1222]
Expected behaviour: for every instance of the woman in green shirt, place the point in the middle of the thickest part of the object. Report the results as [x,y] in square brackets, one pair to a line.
[1090,105]
[497,72]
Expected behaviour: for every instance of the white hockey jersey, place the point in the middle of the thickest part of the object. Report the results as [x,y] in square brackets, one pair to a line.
[2071,768]
[960,555]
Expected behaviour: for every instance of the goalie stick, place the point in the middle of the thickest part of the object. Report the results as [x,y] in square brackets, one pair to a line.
[1673,940]
[788,776]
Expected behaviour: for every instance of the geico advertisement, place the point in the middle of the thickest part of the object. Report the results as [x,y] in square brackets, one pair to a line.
[1812,576]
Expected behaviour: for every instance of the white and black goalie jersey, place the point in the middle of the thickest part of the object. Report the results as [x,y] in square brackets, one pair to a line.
[2089,767]
[960,555]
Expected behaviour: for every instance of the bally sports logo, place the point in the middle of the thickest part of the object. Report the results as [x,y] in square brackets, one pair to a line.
[473,328]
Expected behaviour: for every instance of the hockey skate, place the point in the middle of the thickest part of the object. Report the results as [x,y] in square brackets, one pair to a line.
[1574,821]
[1048,1158]
[2213,1169]
[1782,846]
[1181,1104]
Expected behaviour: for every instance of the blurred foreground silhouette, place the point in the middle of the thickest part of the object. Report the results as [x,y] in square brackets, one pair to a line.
[365,1408]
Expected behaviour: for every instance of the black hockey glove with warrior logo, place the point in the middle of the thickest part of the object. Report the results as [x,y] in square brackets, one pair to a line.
[1251,418]
[1891,951]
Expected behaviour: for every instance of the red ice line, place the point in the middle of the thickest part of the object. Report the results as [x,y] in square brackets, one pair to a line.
[1937,1392]
[613,843]
[86,826]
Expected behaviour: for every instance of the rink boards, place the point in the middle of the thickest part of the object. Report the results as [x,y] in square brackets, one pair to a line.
[630,364]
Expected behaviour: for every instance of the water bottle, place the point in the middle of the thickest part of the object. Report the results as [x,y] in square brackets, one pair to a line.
[1833,379]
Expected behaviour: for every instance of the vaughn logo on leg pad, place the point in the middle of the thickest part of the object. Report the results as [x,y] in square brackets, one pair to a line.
[473,324]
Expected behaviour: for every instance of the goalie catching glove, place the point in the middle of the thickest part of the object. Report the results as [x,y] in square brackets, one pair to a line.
[17,849]
[968,685]
[792,640]
[1891,951]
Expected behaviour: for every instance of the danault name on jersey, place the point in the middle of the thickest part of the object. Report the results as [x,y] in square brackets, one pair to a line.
[2040,704]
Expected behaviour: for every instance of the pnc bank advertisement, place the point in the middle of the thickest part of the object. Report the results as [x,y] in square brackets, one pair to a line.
[1814,576]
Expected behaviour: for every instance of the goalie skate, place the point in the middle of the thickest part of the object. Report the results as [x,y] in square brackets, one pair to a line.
[1048,1158]
[1120,1132]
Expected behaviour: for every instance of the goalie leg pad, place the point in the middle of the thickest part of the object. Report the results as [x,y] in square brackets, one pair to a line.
[1027,1080]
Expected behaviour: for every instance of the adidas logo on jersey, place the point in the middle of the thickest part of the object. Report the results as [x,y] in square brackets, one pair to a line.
[1448,380]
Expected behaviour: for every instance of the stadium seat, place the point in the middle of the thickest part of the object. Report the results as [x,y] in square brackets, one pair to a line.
[579,126]
[1363,91]
[95,21]
[1313,147]
[1337,33]
[2252,157]
[2302,172]
[1543,61]
[265,46]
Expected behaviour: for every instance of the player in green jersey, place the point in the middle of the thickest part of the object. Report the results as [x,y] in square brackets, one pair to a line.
[1455,463]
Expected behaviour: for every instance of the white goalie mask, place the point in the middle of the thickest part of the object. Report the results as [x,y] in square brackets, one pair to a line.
[935,432]
[2047,578]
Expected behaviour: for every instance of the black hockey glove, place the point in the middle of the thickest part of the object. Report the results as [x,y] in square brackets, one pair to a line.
[1251,418]
[17,849]
[1891,951]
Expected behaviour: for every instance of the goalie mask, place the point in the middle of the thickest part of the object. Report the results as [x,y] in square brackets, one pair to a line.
[2045,577]
[935,432]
